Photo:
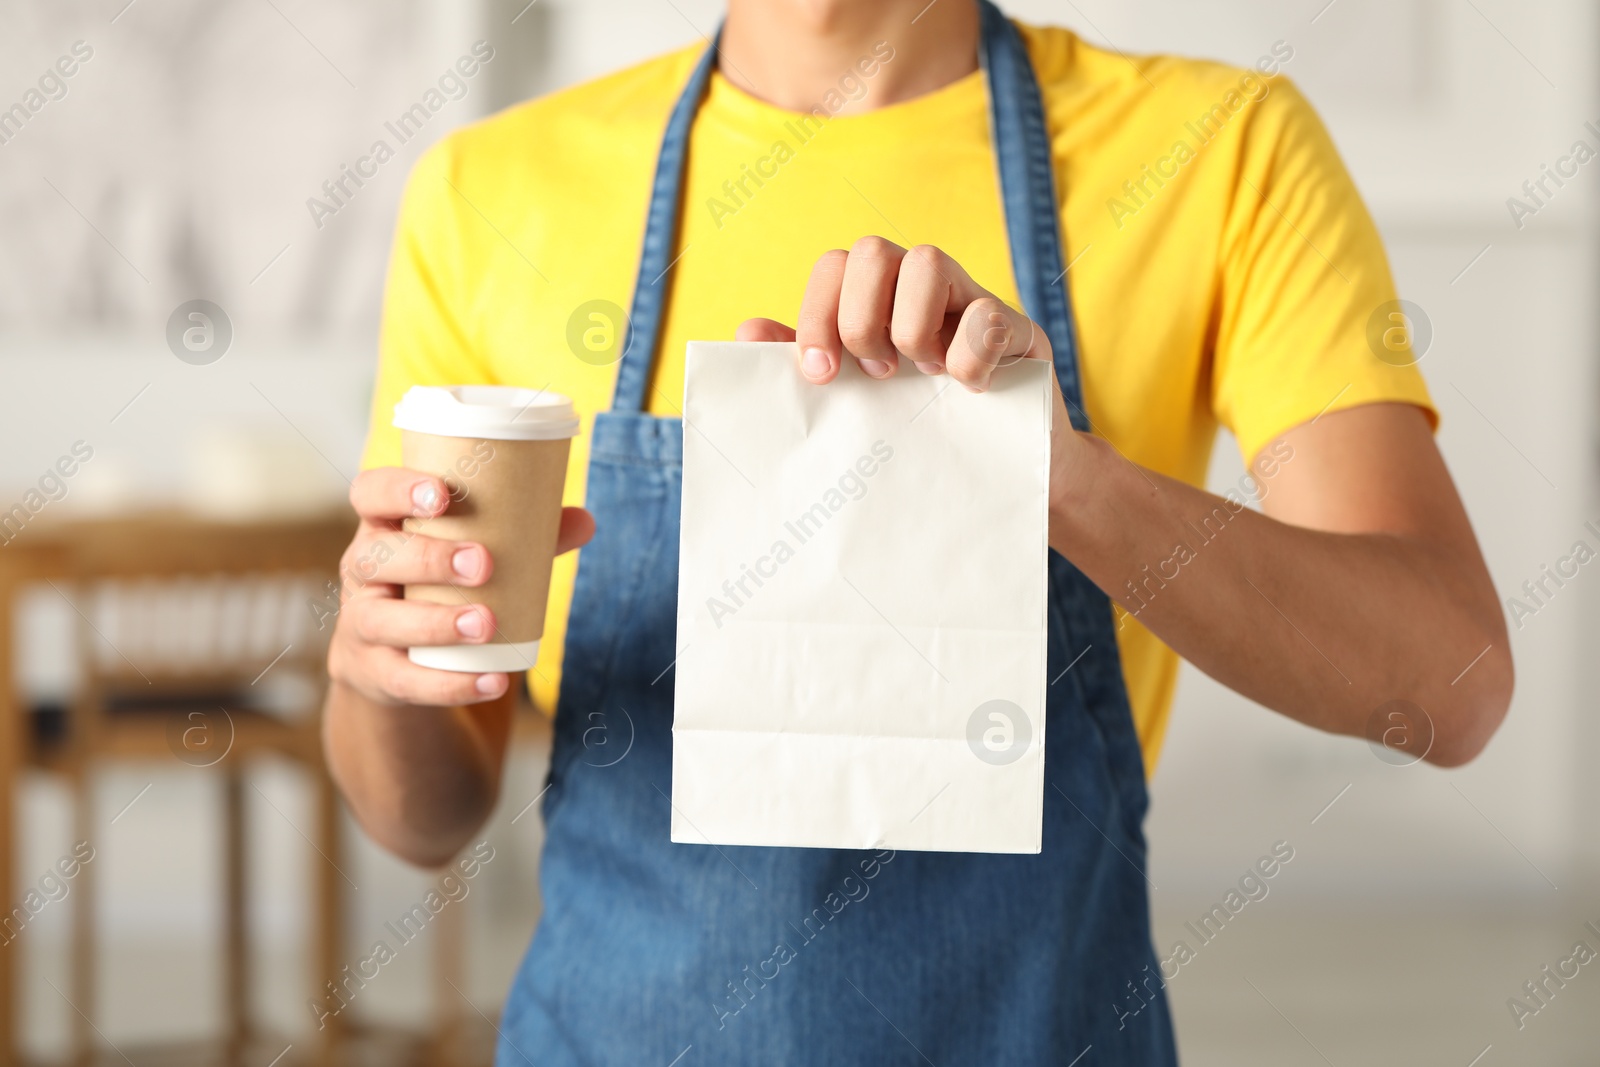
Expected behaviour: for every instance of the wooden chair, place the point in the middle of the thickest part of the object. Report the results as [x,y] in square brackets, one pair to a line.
[180,621]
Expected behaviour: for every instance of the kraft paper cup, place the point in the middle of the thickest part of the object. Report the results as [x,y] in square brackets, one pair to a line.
[503,453]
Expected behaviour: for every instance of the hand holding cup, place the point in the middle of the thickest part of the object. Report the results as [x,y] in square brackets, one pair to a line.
[423,531]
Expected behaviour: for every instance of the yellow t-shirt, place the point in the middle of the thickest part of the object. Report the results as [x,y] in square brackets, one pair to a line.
[1225,268]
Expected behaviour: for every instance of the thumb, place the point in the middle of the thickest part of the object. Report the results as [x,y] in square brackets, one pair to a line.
[763,330]
[577,527]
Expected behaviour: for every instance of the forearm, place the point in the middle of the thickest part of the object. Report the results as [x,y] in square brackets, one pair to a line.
[420,780]
[1323,627]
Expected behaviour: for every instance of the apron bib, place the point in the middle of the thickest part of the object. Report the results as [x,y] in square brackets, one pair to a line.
[649,950]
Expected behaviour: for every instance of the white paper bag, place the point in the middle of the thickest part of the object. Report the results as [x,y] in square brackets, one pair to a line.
[861,607]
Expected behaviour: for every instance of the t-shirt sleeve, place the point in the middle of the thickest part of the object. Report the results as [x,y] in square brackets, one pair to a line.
[1307,320]
[424,338]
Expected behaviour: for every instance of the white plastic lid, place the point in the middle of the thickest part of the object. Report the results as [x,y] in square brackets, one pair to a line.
[495,412]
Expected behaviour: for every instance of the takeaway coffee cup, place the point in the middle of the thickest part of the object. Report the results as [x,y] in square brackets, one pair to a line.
[503,453]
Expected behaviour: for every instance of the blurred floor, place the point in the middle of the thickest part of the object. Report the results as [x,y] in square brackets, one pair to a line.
[159,1003]
[1282,988]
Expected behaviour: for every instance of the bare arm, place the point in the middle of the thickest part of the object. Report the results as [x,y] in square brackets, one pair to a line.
[421,780]
[417,753]
[1362,584]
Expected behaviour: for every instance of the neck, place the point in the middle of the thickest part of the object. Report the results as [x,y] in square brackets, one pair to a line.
[794,53]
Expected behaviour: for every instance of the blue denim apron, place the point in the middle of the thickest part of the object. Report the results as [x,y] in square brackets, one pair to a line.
[654,953]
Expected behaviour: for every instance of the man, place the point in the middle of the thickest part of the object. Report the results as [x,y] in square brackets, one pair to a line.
[1186,249]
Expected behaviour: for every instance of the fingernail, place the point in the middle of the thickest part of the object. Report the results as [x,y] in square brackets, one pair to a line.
[471,624]
[425,497]
[490,685]
[875,368]
[814,363]
[466,563]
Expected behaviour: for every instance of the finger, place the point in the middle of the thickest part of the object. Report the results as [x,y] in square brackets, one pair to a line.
[577,527]
[389,494]
[866,300]
[397,623]
[991,335]
[932,292]
[403,558]
[817,329]
[400,681]
[763,330]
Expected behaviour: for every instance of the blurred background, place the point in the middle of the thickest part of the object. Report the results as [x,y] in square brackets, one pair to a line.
[174,165]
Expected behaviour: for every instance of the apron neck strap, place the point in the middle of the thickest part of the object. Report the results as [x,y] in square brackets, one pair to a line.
[1027,192]
[652,285]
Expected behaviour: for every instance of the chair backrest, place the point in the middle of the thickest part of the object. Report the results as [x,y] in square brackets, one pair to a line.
[175,609]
